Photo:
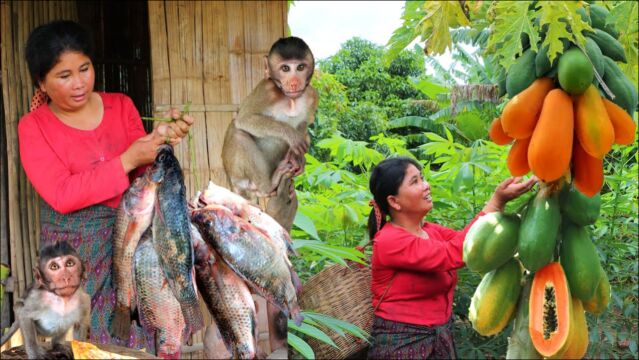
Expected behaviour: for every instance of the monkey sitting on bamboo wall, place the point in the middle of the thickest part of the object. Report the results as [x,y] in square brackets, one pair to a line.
[265,144]
[54,303]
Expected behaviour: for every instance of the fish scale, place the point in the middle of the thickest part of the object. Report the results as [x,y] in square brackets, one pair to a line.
[158,308]
[250,254]
[227,298]
[172,237]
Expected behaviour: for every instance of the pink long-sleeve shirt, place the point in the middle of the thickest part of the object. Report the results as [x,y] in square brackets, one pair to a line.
[71,168]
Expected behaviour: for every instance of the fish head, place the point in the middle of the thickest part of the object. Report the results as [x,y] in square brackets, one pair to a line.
[140,196]
[166,163]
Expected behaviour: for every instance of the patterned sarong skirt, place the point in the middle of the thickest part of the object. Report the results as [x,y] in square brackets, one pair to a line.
[396,340]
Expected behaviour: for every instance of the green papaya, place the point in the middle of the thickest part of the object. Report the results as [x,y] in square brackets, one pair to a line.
[598,17]
[501,81]
[491,241]
[609,46]
[575,71]
[596,57]
[521,74]
[598,303]
[494,301]
[579,208]
[538,230]
[578,257]
[585,17]
[623,89]
[520,344]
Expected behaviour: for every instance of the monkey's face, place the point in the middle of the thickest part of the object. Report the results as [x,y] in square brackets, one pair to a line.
[291,75]
[63,275]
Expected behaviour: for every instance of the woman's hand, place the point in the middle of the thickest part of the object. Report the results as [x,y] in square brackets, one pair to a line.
[142,151]
[175,130]
[509,189]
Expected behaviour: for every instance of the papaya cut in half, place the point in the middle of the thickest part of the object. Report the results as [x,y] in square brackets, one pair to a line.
[550,310]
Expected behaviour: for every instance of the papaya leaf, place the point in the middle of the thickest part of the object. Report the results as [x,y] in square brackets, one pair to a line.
[512,19]
[434,27]
[406,33]
[563,21]
[624,17]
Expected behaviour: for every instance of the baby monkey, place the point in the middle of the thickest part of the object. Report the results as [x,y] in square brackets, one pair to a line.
[55,302]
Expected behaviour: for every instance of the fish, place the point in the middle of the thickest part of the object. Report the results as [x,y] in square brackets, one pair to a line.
[228,299]
[172,237]
[215,194]
[134,216]
[158,308]
[251,254]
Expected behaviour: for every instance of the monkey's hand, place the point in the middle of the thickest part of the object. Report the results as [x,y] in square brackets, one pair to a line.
[297,143]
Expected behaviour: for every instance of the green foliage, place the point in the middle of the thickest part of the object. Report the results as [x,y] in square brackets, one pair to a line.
[563,21]
[624,15]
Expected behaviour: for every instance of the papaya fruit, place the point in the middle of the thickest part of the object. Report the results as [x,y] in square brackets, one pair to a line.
[592,124]
[599,303]
[491,241]
[497,134]
[623,89]
[579,259]
[501,81]
[517,160]
[539,229]
[609,46]
[577,343]
[542,62]
[521,74]
[550,310]
[520,114]
[520,344]
[622,123]
[575,71]
[587,171]
[598,17]
[595,56]
[550,147]
[579,208]
[494,301]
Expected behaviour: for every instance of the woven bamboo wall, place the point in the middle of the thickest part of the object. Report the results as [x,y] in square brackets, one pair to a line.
[209,54]
[17,19]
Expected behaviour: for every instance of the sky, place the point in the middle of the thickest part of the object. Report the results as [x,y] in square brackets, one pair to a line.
[325,25]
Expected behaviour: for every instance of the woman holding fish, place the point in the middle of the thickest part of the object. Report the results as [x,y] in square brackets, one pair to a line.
[80,150]
[414,262]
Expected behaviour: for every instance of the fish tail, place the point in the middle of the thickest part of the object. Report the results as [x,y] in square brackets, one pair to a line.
[192,315]
[121,324]
[296,315]
[297,283]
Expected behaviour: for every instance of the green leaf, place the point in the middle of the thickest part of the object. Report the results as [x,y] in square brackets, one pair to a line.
[512,19]
[624,17]
[304,223]
[312,331]
[338,325]
[430,88]
[335,253]
[300,345]
[559,16]
[434,27]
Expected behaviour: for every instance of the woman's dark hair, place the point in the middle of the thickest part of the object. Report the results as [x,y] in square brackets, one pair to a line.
[386,178]
[47,42]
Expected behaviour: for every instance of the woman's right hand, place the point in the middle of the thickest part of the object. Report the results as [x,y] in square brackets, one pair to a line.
[142,151]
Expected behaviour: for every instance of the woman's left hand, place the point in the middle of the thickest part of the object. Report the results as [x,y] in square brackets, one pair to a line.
[509,189]
[175,130]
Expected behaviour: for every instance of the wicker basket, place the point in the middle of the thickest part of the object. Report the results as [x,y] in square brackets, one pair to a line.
[344,293]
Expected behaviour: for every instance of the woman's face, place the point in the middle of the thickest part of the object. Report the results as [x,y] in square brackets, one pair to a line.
[69,83]
[414,193]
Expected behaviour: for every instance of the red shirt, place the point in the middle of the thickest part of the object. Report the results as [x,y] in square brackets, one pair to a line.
[422,290]
[72,168]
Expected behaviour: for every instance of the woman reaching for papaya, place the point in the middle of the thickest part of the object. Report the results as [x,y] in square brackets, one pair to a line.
[414,262]
[80,149]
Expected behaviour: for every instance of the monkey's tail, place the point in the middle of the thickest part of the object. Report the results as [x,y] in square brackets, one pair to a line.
[121,324]
[10,332]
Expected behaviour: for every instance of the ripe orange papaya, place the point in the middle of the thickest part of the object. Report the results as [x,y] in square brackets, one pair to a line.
[592,124]
[518,158]
[550,146]
[520,113]
[577,343]
[550,310]
[497,134]
[599,303]
[587,171]
[621,122]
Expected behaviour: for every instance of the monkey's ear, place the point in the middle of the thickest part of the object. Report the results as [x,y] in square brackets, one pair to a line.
[38,277]
[267,69]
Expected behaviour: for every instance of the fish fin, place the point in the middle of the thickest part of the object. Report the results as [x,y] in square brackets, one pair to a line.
[296,314]
[215,270]
[121,324]
[297,283]
[290,249]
